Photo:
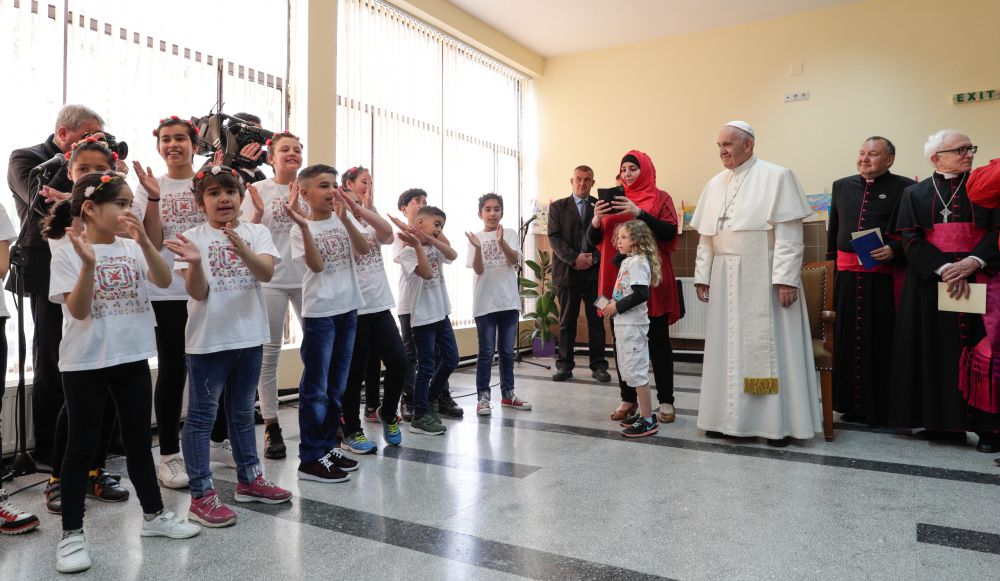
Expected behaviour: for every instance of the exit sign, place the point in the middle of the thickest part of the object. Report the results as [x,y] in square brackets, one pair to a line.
[991,95]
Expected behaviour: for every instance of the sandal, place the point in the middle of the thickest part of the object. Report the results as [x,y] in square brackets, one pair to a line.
[624,410]
[667,413]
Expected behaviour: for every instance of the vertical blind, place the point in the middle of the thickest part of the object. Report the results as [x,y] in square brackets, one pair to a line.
[421,109]
[133,63]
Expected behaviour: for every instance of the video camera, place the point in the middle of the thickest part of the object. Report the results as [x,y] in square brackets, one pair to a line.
[227,133]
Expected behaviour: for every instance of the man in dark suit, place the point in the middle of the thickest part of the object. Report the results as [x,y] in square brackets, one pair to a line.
[574,272]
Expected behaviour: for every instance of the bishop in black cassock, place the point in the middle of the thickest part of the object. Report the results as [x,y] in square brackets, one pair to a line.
[865,299]
[945,238]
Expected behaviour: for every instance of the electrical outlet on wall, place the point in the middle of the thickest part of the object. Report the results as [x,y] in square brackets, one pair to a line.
[799,96]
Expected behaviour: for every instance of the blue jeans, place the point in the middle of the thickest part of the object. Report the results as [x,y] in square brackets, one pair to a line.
[496,331]
[327,346]
[234,374]
[437,355]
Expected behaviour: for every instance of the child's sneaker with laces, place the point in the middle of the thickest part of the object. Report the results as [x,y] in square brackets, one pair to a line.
[358,443]
[340,460]
[53,496]
[261,490]
[12,520]
[641,427]
[211,512]
[171,471]
[484,407]
[104,487]
[221,453]
[371,415]
[390,430]
[426,424]
[515,402]
[322,470]
[167,524]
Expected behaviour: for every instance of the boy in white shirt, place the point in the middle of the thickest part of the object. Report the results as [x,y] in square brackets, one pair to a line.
[429,308]
[326,243]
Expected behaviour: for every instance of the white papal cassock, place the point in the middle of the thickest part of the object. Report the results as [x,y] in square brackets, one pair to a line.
[750,226]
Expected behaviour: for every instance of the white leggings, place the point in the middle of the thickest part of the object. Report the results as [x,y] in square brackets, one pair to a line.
[276,300]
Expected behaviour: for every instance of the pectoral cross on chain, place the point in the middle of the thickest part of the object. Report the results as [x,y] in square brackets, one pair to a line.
[724,218]
[945,212]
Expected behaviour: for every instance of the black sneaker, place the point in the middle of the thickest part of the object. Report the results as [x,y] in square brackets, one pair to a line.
[447,406]
[274,444]
[601,375]
[562,375]
[406,407]
[322,470]
[640,428]
[53,496]
[105,488]
[629,420]
[341,461]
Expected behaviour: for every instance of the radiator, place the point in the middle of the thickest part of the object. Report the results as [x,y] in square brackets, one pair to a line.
[692,326]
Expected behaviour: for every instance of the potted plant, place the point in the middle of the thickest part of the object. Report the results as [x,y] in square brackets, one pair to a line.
[546,313]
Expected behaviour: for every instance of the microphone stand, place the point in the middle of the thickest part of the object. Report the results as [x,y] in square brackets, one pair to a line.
[23,464]
[522,234]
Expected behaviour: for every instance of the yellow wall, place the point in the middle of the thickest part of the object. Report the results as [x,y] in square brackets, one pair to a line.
[885,67]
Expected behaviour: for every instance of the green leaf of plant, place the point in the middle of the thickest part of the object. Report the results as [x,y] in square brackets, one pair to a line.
[527,283]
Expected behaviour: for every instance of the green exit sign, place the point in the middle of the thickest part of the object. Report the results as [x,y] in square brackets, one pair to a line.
[991,95]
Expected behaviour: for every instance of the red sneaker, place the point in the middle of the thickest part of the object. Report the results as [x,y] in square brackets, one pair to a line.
[209,511]
[516,403]
[261,490]
[12,520]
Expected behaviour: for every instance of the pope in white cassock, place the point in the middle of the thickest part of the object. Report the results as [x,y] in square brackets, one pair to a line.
[759,378]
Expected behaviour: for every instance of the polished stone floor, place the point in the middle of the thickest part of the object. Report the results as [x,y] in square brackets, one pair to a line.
[556,493]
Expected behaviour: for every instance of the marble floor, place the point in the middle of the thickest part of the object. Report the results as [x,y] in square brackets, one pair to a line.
[556,493]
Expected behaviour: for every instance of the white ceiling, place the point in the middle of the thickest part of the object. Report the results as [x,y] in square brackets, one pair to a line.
[559,27]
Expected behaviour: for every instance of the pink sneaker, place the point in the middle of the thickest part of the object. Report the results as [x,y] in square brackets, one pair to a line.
[261,490]
[209,511]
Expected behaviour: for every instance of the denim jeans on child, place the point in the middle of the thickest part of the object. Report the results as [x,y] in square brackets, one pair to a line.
[497,331]
[437,354]
[327,347]
[232,374]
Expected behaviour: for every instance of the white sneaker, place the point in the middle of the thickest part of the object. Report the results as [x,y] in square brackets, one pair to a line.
[72,555]
[221,453]
[484,407]
[171,471]
[167,524]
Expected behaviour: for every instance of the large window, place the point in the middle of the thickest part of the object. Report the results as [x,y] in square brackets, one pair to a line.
[135,62]
[422,109]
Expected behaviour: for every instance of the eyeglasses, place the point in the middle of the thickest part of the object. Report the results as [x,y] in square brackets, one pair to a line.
[961,151]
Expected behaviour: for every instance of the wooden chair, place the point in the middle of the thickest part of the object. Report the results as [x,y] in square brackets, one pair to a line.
[817,286]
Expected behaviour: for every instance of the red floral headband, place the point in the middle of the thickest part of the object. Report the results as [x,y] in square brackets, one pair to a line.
[92,139]
[216,170]
[281,134]
[166,120]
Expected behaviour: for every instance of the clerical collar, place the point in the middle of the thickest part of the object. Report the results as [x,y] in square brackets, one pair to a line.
[746,165]
[865,180]
[947,176]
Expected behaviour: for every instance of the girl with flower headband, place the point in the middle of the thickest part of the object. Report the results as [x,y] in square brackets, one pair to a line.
[90,155]
[100,279]
[376,338]
[266,205]
[167,208]
[223,262]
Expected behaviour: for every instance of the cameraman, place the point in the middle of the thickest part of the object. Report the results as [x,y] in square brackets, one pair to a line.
[72,123]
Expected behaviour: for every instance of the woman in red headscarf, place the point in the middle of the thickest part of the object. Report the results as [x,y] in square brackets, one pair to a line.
[643,201]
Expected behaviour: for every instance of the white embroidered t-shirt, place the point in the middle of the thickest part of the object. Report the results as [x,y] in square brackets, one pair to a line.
[371,274]
[496,289]
[634,270]
[429,298]
[120,326]
[233,315]
[335,290]
[287,273]
[178,214]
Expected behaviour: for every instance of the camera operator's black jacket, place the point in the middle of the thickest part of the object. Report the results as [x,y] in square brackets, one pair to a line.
[22,161]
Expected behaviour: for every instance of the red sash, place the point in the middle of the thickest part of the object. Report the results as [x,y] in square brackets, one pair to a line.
[959,237]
